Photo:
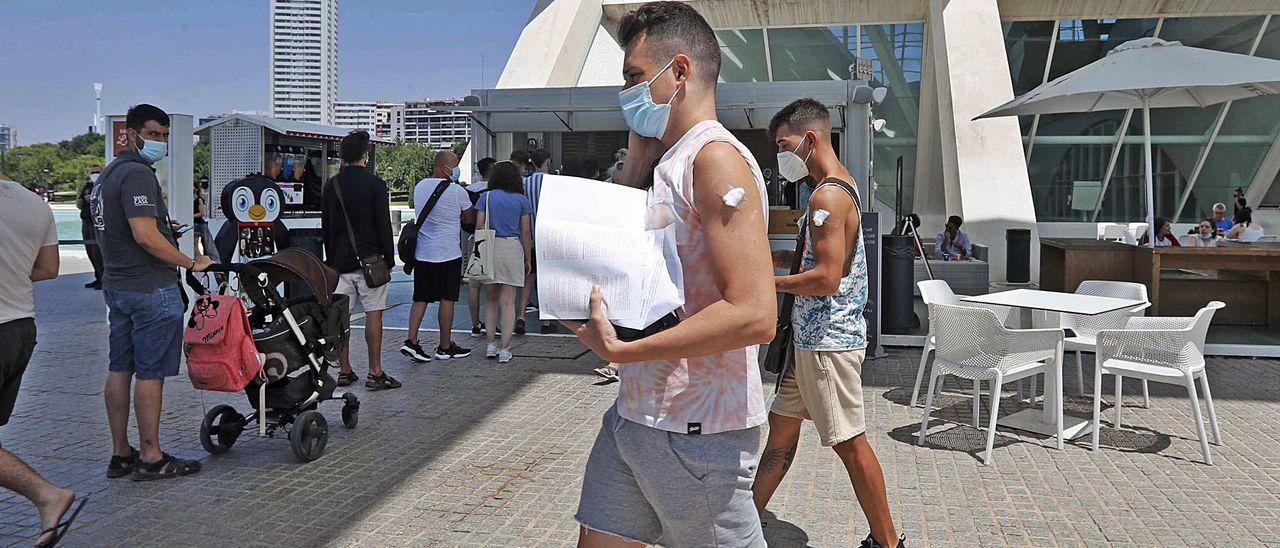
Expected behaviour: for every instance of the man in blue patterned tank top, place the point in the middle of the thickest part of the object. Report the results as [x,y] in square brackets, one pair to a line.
[825,384]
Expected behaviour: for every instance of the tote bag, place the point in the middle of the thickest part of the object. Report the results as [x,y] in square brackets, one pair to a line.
[480,263]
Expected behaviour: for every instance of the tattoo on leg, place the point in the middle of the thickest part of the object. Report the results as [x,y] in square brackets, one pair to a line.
[777,458]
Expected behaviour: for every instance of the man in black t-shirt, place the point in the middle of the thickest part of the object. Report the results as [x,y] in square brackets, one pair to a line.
[86,229]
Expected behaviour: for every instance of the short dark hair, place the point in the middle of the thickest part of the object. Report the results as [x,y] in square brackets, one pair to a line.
[539,157]
[955,220]
[142,113]
[506,175]
[354,146]
[520,157]
[671,28]
[802,114]
[1160,222]
[484,165]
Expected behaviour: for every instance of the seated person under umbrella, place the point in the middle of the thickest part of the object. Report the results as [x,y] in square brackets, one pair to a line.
[1244,230]
[1164,234]
[952,244]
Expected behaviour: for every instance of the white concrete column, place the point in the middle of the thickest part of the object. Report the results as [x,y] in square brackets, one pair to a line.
[553,45]
[983,169]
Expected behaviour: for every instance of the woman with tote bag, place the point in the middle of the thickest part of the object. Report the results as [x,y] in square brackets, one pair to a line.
[504,216]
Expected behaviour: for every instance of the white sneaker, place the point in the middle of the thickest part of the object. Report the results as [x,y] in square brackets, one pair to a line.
[491,351]
[504,356]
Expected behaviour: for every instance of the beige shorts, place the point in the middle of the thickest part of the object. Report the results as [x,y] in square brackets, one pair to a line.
[825,387]
[352,285]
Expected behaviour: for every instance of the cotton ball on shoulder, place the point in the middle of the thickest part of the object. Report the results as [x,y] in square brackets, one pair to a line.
[820,216]
[734,196]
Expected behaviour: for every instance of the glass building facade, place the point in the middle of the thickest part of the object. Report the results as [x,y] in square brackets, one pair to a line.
[896,52]
[1083,167]
[1200,154]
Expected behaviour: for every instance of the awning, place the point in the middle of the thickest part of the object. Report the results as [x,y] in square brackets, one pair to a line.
[745,105]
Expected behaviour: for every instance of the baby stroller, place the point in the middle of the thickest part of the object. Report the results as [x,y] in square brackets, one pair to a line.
[303,333]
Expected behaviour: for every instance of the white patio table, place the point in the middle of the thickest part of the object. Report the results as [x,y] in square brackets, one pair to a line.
[1051,304]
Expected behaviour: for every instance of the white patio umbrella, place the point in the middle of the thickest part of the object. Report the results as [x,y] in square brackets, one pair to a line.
[1150,73]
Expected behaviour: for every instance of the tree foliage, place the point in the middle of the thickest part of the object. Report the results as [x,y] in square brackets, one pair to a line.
[65,165]
[61,166]
[403,164]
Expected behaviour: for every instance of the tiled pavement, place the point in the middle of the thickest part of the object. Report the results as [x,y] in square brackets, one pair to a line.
[470,453]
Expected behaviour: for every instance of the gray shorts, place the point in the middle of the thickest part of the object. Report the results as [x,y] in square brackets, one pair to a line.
[649,485]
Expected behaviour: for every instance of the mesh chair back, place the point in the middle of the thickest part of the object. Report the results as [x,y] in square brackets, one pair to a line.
[969,337]
[1200,327]
[937,292]
[1091,325]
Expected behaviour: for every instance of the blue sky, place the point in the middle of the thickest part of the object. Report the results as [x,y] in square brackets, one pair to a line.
[210,56]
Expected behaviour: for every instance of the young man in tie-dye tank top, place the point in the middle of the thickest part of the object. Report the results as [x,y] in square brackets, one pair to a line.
[675,456]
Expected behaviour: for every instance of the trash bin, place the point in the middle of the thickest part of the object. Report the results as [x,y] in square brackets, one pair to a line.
[1017,266]
[898,313]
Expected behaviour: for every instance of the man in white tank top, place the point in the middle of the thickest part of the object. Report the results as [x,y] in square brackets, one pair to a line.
[674,459]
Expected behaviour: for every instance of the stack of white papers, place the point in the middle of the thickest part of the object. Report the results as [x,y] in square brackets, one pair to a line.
[591,233]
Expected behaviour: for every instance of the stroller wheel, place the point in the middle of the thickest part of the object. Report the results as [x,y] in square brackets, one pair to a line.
[220,428]
[309,435]
[350,410]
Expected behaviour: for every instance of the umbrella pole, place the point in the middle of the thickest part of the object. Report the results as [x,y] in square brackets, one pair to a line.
[1146,153]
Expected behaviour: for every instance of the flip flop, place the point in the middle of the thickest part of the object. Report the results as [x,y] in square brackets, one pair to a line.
[60,529]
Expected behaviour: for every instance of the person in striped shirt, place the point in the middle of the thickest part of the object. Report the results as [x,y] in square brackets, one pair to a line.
[541,160]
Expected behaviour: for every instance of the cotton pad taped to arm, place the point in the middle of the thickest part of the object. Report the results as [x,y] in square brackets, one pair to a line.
[820,216]
[734,196]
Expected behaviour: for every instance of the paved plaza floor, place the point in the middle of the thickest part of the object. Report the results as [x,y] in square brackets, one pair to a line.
[472,453]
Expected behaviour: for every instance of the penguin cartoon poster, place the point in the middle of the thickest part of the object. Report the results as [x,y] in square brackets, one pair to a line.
[252,206]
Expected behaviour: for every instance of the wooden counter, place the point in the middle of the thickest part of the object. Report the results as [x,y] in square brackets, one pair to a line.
[1262,259]
[1065,262]
[1179,280]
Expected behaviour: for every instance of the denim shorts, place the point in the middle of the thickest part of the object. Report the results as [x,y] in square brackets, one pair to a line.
[146,331]
[653,486]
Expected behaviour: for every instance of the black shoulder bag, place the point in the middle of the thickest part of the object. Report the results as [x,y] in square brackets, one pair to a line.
[779,357]
[374,266]
[407,247]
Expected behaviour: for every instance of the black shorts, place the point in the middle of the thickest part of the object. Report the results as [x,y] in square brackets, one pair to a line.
[434,282]
[17,341]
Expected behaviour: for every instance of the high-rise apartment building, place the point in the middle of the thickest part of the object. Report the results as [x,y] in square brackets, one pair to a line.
[426,123]
[304,60]
[389,120]
[355,115]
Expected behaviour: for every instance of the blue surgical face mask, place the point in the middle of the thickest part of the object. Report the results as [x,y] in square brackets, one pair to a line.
[456,174]
[153,151]
[644,116]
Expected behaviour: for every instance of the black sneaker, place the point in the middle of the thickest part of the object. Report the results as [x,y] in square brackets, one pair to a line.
[415,352]
[870,542]
[454,352]
[548,328]
[381,382]
[477,330]
[519,330]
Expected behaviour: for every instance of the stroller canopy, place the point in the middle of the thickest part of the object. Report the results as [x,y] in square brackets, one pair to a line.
[297,264]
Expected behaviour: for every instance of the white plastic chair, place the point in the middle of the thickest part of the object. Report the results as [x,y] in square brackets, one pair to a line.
[1167,350]
[1268,238]
[1086,328]
[973,344]
[1115,233]
[939,292]
[1187,240]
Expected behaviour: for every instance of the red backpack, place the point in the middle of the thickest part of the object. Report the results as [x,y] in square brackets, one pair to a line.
[219,347]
